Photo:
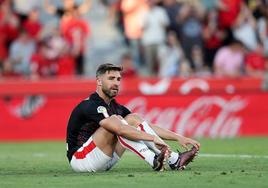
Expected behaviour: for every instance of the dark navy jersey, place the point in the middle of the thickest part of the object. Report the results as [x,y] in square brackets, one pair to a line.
[85,118]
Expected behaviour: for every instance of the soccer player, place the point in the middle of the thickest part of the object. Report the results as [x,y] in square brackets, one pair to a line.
[100,129]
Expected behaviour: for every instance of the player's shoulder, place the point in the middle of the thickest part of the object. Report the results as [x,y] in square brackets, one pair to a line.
[86,106]
[122,109]
[88,102]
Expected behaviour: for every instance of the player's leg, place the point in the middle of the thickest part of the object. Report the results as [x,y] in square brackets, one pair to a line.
[117,154]
[156,160]
[136,121]
[137,147]
[98,153]
[176,160]
[95,153]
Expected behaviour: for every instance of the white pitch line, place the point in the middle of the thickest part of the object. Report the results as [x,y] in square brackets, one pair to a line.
[232,155]
[212,155]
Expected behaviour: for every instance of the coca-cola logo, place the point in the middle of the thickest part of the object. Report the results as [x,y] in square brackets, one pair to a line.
[209,116]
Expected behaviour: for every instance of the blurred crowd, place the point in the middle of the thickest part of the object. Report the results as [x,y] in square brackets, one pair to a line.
[165,38]
[29,48]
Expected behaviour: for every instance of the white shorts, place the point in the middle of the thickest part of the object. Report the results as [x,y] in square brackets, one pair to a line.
[89,158]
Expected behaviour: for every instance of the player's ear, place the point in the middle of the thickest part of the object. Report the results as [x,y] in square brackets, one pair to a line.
[99,81]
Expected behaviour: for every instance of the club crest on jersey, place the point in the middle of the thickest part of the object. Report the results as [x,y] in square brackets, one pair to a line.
[103,110]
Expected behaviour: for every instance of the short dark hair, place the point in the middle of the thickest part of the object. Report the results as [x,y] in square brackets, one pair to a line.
[103,68]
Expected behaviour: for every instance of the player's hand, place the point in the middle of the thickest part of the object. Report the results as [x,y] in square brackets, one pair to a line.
[184,142]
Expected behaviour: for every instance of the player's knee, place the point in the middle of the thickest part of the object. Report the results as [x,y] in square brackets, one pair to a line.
[133,119]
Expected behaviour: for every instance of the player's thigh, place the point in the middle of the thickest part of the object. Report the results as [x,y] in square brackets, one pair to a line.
[89,158]
[105,141]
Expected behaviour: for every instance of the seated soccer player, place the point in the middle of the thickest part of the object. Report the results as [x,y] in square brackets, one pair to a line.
[100,129]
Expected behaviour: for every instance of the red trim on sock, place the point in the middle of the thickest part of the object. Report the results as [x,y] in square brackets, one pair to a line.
[86,150]
[129,147]
[142,128]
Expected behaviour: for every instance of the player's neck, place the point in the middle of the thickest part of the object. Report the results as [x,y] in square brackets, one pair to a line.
[102,95]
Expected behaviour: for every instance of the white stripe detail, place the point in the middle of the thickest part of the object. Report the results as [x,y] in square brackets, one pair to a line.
[231,156]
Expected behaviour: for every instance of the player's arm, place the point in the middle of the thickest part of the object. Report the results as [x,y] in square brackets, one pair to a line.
[169,135]
[116,126]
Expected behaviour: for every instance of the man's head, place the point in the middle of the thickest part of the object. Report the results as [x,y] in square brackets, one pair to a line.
[108,79]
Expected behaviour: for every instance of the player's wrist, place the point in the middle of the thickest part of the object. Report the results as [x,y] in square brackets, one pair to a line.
[180,138]
[154,138]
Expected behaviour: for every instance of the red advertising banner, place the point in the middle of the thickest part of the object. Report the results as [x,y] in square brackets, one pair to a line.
[192,107]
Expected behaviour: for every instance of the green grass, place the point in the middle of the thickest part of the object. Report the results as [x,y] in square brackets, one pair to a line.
[43,164]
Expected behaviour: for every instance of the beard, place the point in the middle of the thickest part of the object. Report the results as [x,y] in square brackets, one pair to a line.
[110,92]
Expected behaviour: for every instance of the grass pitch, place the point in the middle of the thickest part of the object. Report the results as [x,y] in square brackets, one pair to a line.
[243,162]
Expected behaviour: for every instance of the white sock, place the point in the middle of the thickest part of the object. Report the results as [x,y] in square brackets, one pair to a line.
[139,148]
[144,126]
[115,158]
[173,158]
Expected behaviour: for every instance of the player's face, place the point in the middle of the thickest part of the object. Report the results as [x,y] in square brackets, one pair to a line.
[110,83]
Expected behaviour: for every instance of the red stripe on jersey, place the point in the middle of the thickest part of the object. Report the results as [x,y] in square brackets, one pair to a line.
[129,147]
[142,128]
[86,150]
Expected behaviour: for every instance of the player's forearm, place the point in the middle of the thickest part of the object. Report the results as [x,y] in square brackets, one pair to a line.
[118,127]
[133,134]
[166,134]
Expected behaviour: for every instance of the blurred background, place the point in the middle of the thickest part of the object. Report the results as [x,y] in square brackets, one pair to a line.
[197,67]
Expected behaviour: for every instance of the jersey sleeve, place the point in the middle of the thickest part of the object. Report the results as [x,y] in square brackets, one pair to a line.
[125,112]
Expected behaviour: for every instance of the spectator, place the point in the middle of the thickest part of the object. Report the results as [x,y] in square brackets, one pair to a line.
[201,69]
[245,28]
[23,8]
[41,65]
[32,24]
[75,31]
[228,12]
[133,12]
[66,63]
[116,17]
[52,58]
[128,67]
[263,31]
[191,30]
[258,8]
[185,69]
[213,37]
[228,61]
[255,62]
[9,29]
[170,56]
[21,51]
[172,8]
[68,6]
[154,27]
